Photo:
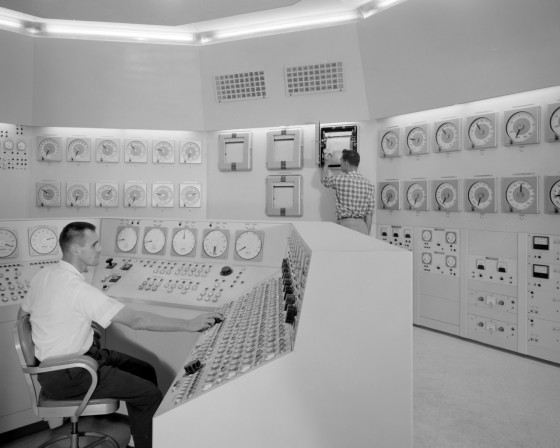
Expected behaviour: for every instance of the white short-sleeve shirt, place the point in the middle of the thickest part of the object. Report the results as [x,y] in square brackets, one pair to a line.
[62,307]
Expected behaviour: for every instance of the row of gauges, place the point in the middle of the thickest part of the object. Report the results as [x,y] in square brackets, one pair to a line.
[11,145]
[43,240]
[215,242]
[135,194]
[519,195]
[520,127]
[108,150]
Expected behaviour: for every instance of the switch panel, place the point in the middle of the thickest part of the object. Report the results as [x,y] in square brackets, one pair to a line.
[495,270]
[492,331]
[482,300]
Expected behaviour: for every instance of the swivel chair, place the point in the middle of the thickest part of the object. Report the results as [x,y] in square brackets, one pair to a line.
[47,408]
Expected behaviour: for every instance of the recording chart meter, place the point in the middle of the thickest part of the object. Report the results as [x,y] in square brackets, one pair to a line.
[284,196]
[520,194]
[284,149]
[552,192]
[552,125]
[416,195]
[521,126]
[235,152]
[333,139]
[480,131]
[8,243]
[389,195]
[480,195]
[390,142]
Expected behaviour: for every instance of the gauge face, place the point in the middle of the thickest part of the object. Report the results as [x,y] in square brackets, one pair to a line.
[389,195]
[8,144]
[135,196]
[154,240]
[555,123]
[48,195]
[77,196]
[8,243]
[417,140]
[183,242]
[555,194]
[215,243]
[450,261]
[106,196]
[107,151]
[451,237]
[447,137]
[190,196]
[48,149]
[127,237]
[446,195]
[426,235]
[520,127]
[482,132]
[190,152]
[135,152]
[163,152]
[390,144]
[426,258]
[248,245]
[480,195]
[416,196]
[162,196]
[21,145]
[43,240]
[520,195]
[78,151]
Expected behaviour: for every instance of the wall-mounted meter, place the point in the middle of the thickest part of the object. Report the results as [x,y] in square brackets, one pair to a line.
[446,195]
[48,193]
[135,194]
[390,142]
[416,139]
[77,194]
[135,150]
[389,195]
[520,194]
[284,149]
[190,152]
[235,152]
[480,131]
[163,194]
[447,135]
[552,192]
[107,194]
[49,149]
[333,139]
[107,150]
[78,149]
[521,126]
[416,195]
[190,194]
[163,151]
[552,125]
[283,196]
[480,195]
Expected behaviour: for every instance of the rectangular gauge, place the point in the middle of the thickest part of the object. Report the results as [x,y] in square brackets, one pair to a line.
[541,271]
[552,194]
[541,242]
[234,152]
[520,195]
[284,149]
[333,139]
[283,196]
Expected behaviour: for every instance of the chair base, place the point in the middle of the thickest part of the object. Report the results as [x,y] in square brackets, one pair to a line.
[75,440]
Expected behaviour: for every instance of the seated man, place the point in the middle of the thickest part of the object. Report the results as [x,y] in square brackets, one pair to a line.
[63,307]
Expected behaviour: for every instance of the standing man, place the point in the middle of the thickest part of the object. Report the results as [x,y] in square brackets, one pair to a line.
[354,193]
[62,308]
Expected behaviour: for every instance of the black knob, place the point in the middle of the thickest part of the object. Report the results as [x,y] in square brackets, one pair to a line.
[226,270]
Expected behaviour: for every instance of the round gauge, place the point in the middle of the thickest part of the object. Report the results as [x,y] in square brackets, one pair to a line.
[248,245]
[21,145]
[215,243]
[77,195]
[417,140]
[555,194]
[183,242]
[135,151]
[49,149]
[163,152]
[154,240]
[43,240]
[520,194]
[390,143]
[8,144]
[446,195]
[78,150]
[427,235]
[48,194]
[190,195]
[481,131]
[521,126]
[416,195]
[480,195]
[162,196]
[447,136]
[451,237]
[106,195]
[8,243]
[450,261]
[426,258]
[107,151]
[135,196]
[190,152]
[555,122]
[389,195]
[127,237]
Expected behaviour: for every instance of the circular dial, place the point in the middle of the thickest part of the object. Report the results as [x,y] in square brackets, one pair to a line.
[77,195]
[555,194]
[450,261]
[390,143]
[481,131]
[451,237]
[520,194]
[107,150]
[49,149]
[416,140]
[190,152]
[106,195]
[127,237]
[389,195]
[427,235]
[43,240]
[8,243]
[416,195]
[154,240]
[521,126]
[447,136]
[183,242]
[8,144]
[426,258]
[480,195]
[555,122]
[135,151]
[162,195]
[135,196]
[446,195]
[248,245]
[190,196]
[163,152]
[21,145]
[215,243]
[78,150]
[48,194]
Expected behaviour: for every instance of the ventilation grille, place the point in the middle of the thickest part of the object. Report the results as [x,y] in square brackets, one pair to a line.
[240,86]
[316,78]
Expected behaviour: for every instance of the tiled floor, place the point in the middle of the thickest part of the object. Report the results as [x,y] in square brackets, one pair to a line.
[466,395]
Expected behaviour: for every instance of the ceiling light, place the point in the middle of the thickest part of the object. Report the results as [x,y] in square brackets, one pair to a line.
[10,23]
[118,33]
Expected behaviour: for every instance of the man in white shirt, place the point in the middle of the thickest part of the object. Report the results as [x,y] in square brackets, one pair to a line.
[63,307]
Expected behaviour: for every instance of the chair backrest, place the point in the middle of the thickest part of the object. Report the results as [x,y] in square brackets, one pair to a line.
[26,352]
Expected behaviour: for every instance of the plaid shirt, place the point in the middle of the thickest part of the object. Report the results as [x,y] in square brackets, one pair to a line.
[354,194]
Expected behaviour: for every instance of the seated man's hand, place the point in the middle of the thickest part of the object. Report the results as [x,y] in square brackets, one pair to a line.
[205,321]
